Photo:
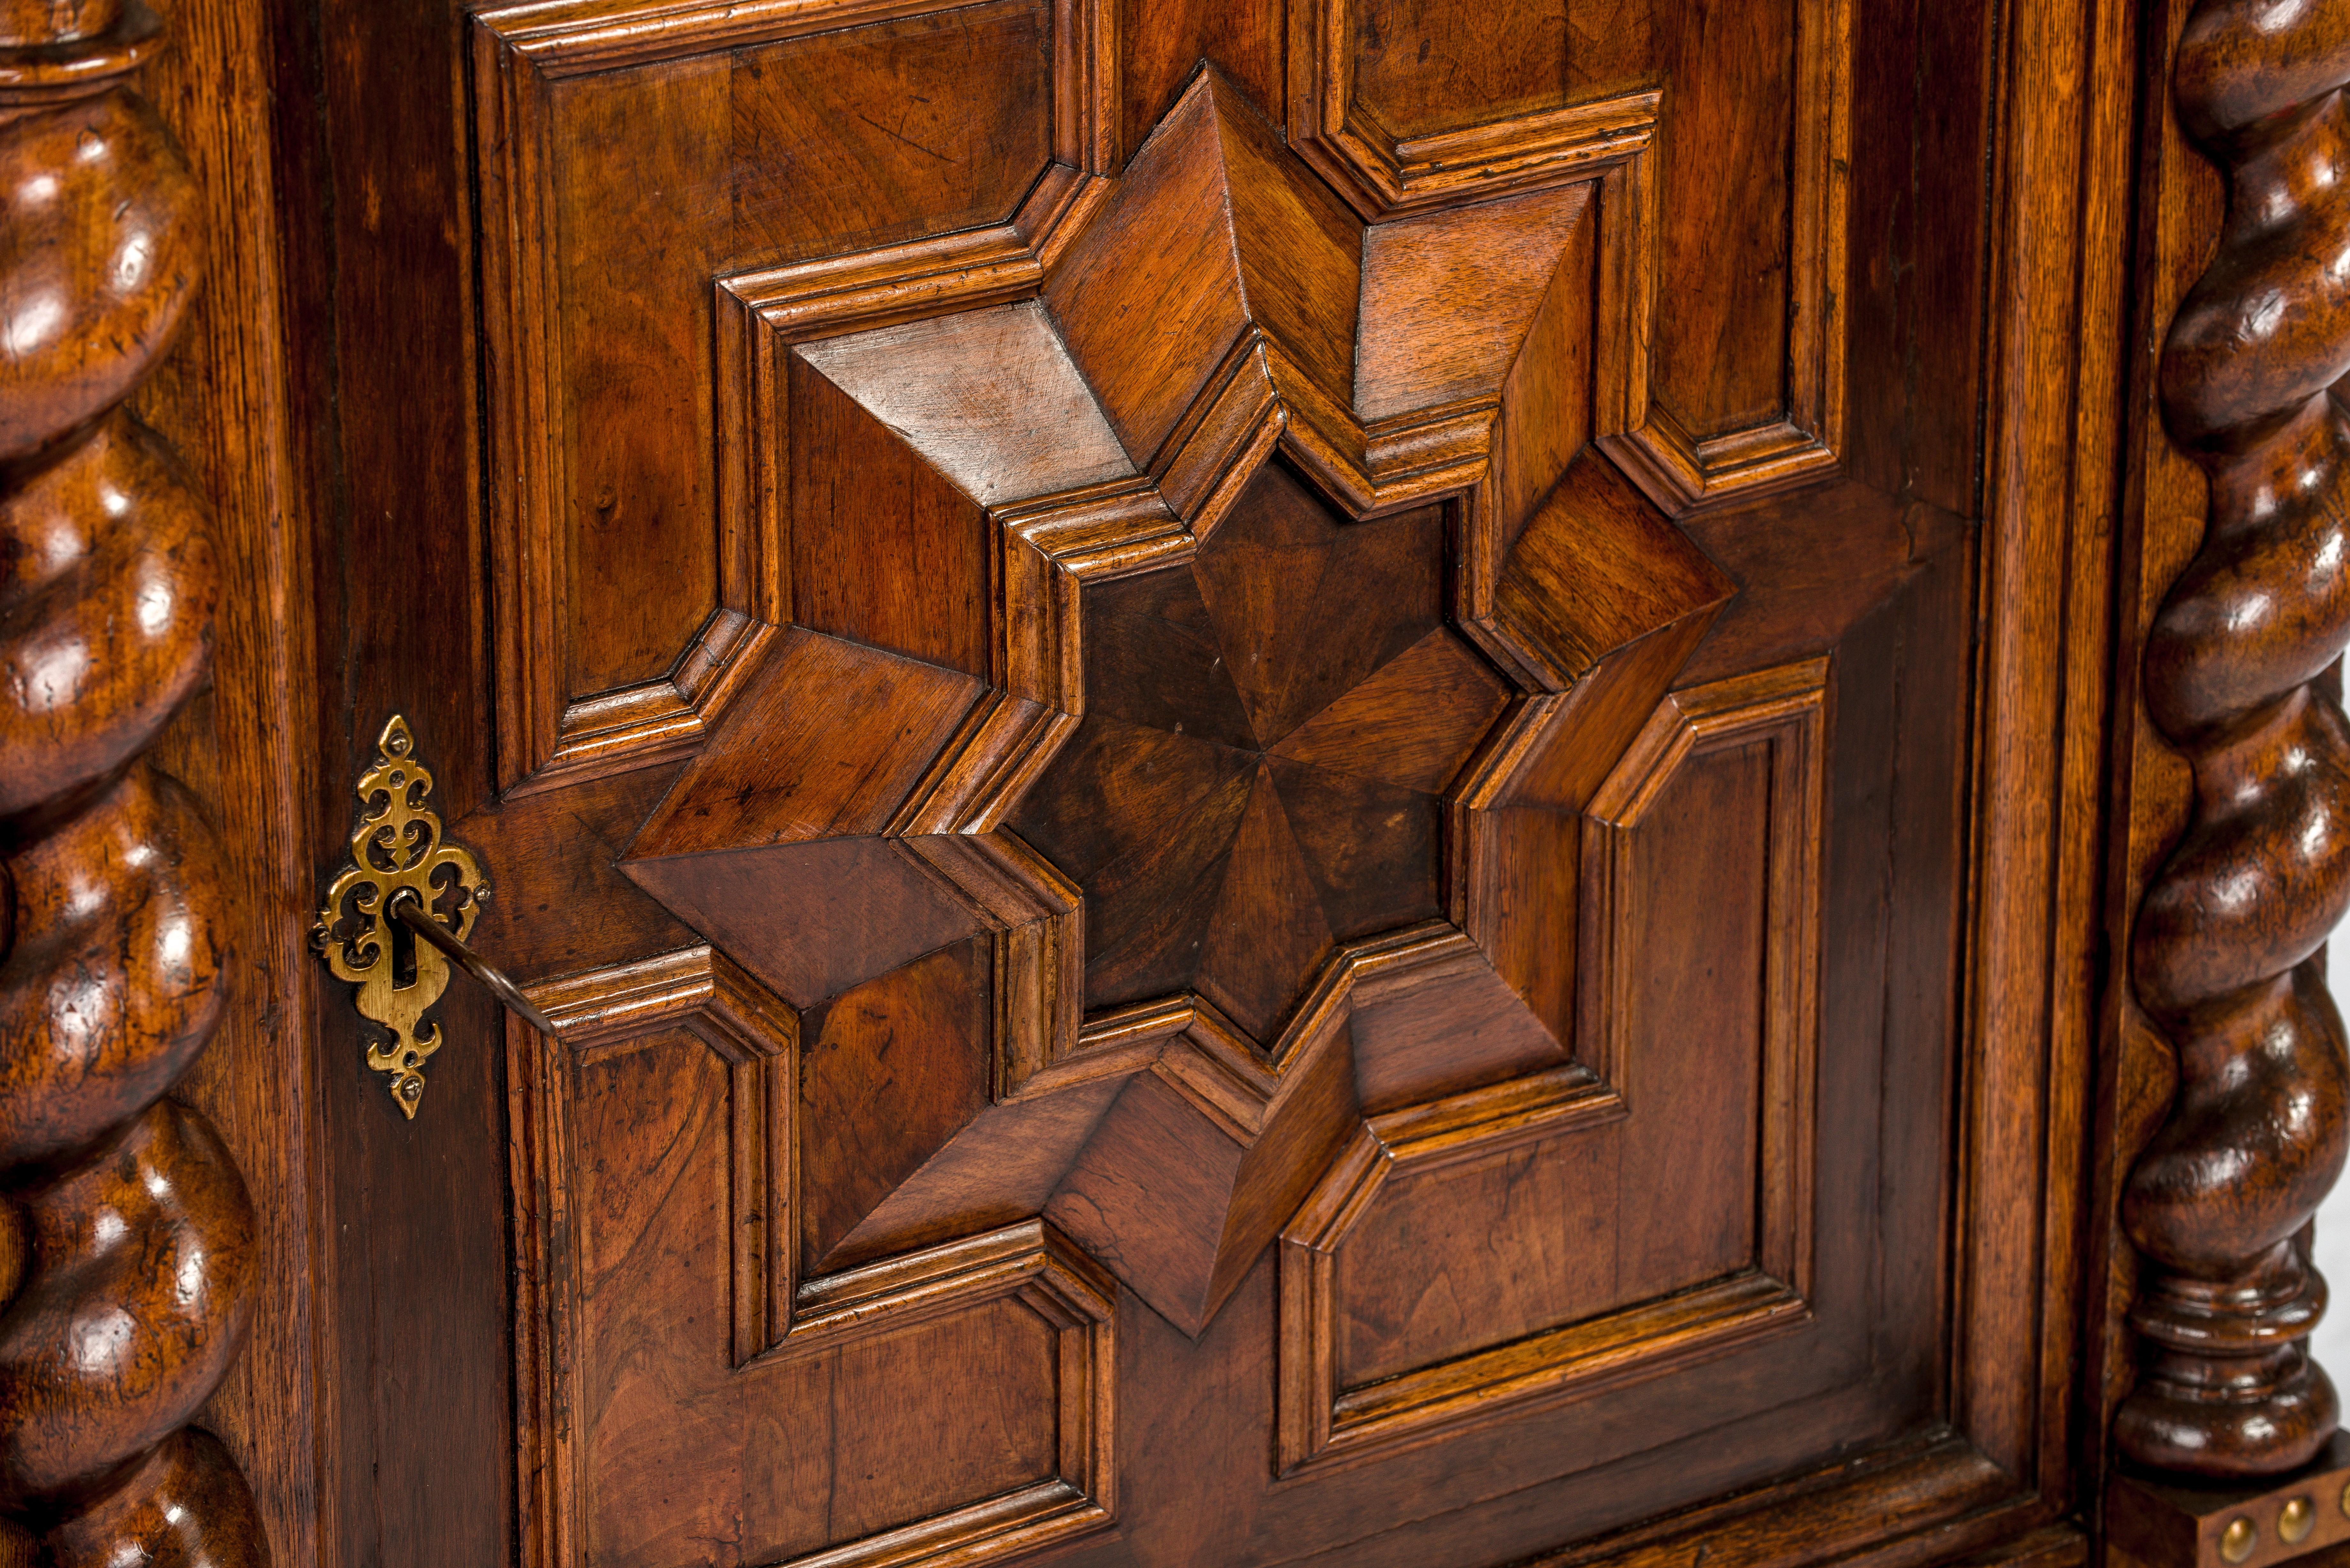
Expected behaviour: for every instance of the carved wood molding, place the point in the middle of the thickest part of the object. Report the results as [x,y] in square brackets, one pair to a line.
[1021,321]
[2226,937]
[523,56]
[1380,174]
[1322,1418]
[781,1323]
[1612,138]
[122,1207]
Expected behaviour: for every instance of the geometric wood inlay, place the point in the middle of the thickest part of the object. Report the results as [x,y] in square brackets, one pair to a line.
[1267,733]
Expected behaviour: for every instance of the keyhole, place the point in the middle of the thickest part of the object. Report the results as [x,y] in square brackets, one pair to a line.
[403,944]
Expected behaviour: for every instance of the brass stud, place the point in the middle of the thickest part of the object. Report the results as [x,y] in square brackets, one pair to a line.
[2236,1542]
[2345,1501]
[2295,1521]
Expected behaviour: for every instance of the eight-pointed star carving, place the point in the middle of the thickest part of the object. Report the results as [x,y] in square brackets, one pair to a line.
[1082,682]
[1268,732]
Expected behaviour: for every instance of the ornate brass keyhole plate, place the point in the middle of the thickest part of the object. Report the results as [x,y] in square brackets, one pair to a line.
[397,851]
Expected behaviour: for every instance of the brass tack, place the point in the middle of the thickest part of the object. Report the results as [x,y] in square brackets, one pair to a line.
[2296,1520]
[2236,1542]
[2346,1500]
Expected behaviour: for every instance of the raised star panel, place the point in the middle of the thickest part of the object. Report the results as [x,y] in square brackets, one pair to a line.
[1196,744]
[658,1152]
[1599,601]
[634,158]
[1656,1191]
[890,1072]
[1286,801]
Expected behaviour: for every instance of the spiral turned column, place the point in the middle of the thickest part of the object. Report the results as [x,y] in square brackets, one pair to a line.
[126,1235]
[2226,935]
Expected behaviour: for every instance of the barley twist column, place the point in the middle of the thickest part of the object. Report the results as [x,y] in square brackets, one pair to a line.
[2225,938]
[126,1236]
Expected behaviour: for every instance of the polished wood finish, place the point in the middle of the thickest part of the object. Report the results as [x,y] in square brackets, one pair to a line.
[1213,703]
[1300,780]
[128,1271]
[2225,948]
[2182,1521]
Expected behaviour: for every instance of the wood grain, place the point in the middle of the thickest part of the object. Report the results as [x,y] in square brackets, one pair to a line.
[1414,58]
[2227,941]
[1162,42]
[226,400]
[1256,778]
[685,124]
[123,1209]
[1655,1193]
[1387,886]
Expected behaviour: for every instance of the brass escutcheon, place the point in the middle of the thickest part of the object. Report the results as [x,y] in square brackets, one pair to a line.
[397,854]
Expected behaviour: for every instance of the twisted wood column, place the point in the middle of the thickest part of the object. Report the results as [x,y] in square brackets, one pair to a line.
[126,1234]
[2226,935]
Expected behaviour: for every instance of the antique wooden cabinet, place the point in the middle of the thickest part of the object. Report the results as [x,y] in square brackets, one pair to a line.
[1373,781]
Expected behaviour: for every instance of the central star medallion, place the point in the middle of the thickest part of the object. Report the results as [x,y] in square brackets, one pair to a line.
[1173,702]
[1269,730]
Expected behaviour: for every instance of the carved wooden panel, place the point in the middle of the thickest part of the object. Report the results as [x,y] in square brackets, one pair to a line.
[1113,755]
[632,165]
[1101,710]
[1267,736]
[1654,1196]
[1733,204]
[689,1359]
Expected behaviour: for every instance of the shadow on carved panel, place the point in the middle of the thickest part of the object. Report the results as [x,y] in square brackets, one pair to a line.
[624,167]
[1725,163]
[1254,663]
[662,1121]
[1657,1193]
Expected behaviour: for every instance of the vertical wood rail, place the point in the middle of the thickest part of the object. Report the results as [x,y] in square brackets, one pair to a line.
[126,1234]
[2225,938]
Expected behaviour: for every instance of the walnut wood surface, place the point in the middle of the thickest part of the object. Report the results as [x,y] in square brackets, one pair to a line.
[1152,799]
[1259,821]
[129,1261]
[2226,937]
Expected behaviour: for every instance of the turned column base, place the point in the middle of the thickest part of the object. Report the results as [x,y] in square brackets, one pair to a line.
[2274,1415]
[2229,1392]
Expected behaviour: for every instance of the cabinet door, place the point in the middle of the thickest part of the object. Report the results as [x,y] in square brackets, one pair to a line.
[1234,739]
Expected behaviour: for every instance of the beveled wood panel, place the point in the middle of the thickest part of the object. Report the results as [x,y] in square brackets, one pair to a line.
[635,165]
[1211,811]
[1731,133]
[695,1356]
[1165,753]
[1652,1198]
[1409,57]
[1204,789]
[539,368]
[1194,637]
